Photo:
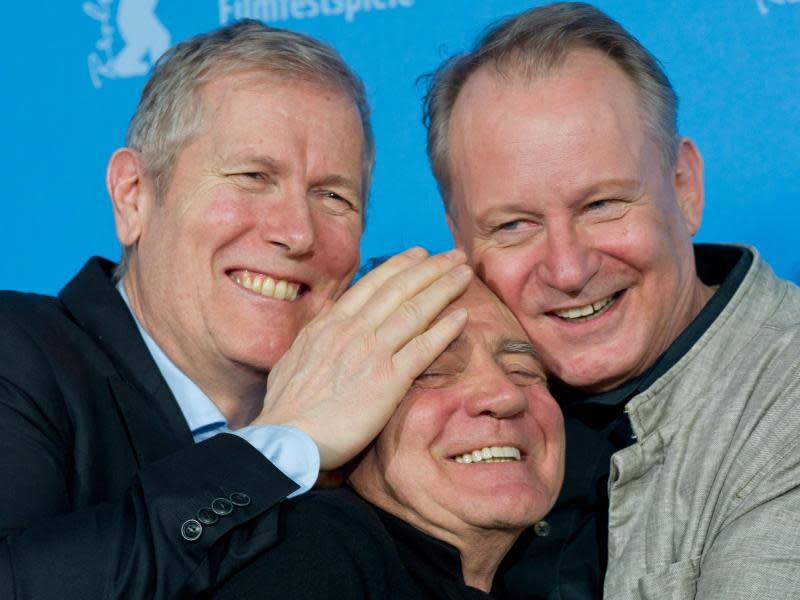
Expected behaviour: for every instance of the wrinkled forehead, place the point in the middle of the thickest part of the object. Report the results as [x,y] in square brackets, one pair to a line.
[489,318]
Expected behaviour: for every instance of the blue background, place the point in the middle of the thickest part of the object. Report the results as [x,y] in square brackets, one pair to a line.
[734,63]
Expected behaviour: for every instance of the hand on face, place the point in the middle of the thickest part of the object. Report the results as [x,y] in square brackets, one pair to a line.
[350,366]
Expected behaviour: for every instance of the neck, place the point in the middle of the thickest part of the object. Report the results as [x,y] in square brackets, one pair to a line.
[481,554]
[240,404]
[481,548]
[237,390]
[702,296]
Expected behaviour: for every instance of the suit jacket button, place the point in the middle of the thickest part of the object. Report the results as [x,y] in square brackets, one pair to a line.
[239,499]
[207,516]
[222,506]
[191,530]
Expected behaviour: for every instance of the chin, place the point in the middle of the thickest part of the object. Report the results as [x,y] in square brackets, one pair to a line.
[592,373]
[260,356]
[514,520]
[516,509]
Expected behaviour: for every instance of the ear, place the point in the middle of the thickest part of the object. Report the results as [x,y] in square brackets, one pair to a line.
[689,184]
[132,194]
[454,232]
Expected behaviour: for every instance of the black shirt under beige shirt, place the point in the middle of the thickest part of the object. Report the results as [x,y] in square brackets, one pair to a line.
[564,556]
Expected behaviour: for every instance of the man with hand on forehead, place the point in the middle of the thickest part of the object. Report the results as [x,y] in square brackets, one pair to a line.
[148,426]
[473,455]
[555,147]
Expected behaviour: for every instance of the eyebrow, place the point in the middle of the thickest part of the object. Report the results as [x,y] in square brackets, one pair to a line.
[272,165]
[612,185]
[522,206]
[512,346]
[247,160]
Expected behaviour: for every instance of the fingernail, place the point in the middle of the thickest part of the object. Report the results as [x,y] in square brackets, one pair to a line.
[456,254]
[462,273]
[459,315]
[416,252]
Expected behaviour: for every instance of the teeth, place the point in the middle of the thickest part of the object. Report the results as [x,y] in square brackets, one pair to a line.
[267,286]
[585,311]
[280,290]
[490,454]
[268,289]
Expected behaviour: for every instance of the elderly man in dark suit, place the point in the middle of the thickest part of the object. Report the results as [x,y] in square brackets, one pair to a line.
[143,453]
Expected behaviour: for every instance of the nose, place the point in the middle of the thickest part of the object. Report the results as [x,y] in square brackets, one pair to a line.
[288,223]
[567,261]
[495,395]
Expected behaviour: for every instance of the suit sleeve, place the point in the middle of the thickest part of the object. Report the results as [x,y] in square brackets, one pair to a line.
[139,545]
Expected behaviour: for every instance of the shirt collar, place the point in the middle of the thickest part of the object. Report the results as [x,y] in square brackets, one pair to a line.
[417,545]
[201,414]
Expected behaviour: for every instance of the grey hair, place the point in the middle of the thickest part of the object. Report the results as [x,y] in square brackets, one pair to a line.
[170,111]
[536,42]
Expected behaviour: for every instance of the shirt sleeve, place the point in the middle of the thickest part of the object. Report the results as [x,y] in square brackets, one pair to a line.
[289,449]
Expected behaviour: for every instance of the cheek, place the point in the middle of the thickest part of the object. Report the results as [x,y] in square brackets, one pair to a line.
[640,240]
[551,421]
[506,272]
[413,431]
[338,250]
[215,221]
[226,211]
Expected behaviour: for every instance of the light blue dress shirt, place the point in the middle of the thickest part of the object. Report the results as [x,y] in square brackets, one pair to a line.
[288,448]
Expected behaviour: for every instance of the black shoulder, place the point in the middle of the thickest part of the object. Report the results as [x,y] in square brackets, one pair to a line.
[332,545]
[337,519]
[28,307]
[29,325]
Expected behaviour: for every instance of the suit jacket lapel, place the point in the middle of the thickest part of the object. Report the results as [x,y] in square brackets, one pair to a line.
[155,423]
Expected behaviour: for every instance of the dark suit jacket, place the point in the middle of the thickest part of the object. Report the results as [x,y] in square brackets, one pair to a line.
[98,470]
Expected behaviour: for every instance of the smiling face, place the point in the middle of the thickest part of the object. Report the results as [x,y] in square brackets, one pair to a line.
[260,225]
[561,200]
[477,444]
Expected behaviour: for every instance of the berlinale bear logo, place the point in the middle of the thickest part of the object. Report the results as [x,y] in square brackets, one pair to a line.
[144,37]
[762,4]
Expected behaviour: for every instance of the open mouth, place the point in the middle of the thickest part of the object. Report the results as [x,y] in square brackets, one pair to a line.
[489,454]
[269,287]
[589,311]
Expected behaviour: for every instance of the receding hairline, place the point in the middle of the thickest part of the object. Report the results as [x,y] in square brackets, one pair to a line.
[245,76]
[230,67]
[514,70]
[538,40]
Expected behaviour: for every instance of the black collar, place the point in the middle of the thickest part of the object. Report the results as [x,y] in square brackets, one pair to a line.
[435,554]
[434,564]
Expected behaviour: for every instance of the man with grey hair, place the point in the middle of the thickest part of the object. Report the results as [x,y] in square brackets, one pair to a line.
[150,423]
[555,147]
